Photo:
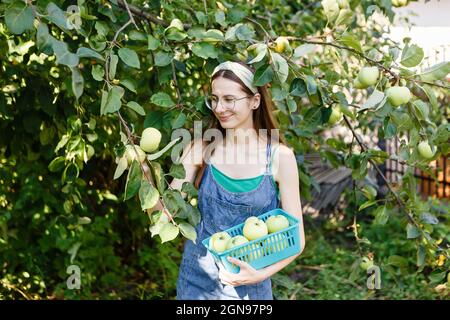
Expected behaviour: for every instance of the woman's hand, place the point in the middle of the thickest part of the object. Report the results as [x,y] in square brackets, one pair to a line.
[247,274]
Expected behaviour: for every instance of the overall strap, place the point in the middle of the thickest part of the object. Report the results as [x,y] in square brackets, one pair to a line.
[268,156]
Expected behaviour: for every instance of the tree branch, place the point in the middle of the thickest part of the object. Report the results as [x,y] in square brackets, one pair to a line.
[399,201]
[144,171]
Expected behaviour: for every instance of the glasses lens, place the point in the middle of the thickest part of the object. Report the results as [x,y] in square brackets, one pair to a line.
[213,101]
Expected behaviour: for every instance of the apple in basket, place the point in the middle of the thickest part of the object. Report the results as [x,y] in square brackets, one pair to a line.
[218,241]
[277,223]
[276,243]
[254,228]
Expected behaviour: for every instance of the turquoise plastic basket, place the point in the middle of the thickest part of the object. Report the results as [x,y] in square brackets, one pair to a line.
[263,251]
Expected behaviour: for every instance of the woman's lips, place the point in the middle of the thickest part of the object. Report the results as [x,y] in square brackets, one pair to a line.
[225,118]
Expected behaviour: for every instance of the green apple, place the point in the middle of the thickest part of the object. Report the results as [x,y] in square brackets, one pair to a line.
[131,154]
[276,223]
[425,150]
[150,139]
[398,95]
[255,251]
[218,241]
[236,241]
[366,263]
[276,243]
[335,116]
[368,76]
[251,219]
[359,85]
[399,3]
[193,202]
[282,45]
[254,229]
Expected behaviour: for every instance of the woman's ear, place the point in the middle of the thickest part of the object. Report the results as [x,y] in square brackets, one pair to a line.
[256,100]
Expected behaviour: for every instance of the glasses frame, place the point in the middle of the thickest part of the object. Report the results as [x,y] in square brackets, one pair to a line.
[234,102]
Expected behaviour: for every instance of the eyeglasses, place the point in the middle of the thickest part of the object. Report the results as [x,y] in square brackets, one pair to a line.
[227,102]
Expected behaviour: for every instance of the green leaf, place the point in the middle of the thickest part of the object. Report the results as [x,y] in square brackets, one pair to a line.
[177,171]
[280,66]
[70,173]
[121,167]
[262,51]
[311,85]
[98,72]
[129,57]
[77,83]
[63,55]
[158,175]
[188,231]
[133,180]
[174,34]
[113,60]
[367,204]
[345,17]
[129,84]
[263,75]
[369,192]
[189,188]
[245,33]
[398,261]
[350,41]
[437,72]
[44,40]
[214,34]
[179,121]
[103,102]
[137,35]
[113,102]
[57,164]
[429,218]
[57,16]
[148,195]
[168,232]
[331,9]
[292,105]
[19,18]
[84,52]
[62,142]
[298,88]
[376,98]
[153,43]
[163,59]
[162,99]
[411,231]
[381,215]
[102,28]
[136,107]
[421,254]
[411,56]
[205,50]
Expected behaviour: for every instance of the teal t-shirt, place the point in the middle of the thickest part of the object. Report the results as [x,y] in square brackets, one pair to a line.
[240,185]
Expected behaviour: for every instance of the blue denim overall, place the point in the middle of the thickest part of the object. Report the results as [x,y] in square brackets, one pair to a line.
[221,209]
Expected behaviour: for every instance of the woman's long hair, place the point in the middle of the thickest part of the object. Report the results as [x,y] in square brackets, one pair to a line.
[262,116]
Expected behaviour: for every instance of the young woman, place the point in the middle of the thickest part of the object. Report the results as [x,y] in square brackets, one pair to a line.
[229,193]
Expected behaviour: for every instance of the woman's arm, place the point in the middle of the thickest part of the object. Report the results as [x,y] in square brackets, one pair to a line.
[287,177]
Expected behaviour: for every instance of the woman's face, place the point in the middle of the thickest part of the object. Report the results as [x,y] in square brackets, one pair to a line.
[224,91]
